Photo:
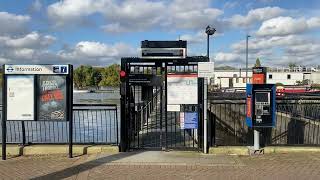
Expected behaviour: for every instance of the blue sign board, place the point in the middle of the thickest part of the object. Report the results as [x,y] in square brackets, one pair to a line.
[189,120]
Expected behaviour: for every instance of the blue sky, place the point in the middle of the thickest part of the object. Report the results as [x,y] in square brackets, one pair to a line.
[100,32]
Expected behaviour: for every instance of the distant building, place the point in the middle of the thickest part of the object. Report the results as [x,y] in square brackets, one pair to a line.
[236,78]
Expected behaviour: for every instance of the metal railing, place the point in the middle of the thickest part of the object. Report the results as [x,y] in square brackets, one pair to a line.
[298,123]
[92,124]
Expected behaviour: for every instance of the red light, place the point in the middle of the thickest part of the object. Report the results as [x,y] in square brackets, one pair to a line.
[122,74]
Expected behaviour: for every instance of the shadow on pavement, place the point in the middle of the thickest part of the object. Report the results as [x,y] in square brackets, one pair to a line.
[68,172]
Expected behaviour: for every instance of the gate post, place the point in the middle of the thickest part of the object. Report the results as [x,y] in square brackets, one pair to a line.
[123,146]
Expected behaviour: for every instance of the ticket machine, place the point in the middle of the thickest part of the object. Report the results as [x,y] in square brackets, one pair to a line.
[261,104]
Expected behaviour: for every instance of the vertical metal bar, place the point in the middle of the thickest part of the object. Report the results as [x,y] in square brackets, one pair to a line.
[205,123]
[23,133]
[165,104]
[175,129]
[4,115]
[70,108]
[116,123]
[161,111]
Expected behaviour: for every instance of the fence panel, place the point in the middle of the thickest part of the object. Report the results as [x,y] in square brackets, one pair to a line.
[92,124]
[298,123]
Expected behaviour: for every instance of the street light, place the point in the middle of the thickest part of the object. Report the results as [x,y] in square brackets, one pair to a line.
[209,31]
[247,38]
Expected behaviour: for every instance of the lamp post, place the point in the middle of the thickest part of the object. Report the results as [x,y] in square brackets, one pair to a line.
[209,31]
[247,39]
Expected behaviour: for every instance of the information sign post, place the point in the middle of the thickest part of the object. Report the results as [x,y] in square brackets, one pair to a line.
[37,93]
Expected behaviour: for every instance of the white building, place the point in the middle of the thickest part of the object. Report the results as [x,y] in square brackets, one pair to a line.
[285,76]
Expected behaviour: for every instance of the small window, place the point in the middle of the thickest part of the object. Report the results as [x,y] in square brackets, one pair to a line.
[243,80]
[289,76]
[237,80]
[270,76]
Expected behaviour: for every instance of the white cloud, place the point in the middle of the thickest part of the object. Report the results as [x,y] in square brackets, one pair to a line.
[68,12]
[90,52]
[282,26]
[276,50]
[115,28]
[222,57]
[255,15]
[135,15]
[36,5]
[31,40]
[12,23]
[314,22]
[199,37]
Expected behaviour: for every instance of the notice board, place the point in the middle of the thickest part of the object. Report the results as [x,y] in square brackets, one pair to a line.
[20,97]
[189,120]
[182,89]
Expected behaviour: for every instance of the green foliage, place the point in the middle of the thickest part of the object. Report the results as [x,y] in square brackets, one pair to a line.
[292,65]
[303,82]
[258,63]
[87,76]
[110,76]
[279,84]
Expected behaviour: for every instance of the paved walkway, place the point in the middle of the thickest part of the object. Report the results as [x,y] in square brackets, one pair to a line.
[163,165]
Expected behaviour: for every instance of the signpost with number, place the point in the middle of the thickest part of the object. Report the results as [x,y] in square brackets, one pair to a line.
[37,93]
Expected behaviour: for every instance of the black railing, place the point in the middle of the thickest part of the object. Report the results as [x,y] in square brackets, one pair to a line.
[92,124]
[298,123]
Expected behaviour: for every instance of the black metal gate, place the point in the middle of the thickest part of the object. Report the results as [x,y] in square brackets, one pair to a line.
[145,121]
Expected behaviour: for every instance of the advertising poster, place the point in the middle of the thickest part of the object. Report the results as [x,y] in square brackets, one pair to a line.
[52,97]
[20,97]
[182,89]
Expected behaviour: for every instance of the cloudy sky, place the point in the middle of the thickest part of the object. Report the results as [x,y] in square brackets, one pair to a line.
[100,32]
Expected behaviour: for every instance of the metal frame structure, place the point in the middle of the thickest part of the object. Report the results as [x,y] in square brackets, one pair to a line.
[144,96]
[69,106]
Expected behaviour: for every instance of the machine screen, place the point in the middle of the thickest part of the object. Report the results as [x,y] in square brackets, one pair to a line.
[262,97]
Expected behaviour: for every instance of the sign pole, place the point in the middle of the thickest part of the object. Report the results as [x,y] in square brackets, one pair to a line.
[70,109]
[256,138]
[205,127]
[4,115]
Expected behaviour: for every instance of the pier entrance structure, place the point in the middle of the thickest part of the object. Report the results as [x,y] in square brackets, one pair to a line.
[162,98]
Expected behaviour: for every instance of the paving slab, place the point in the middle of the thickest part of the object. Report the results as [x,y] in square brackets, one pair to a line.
[163,165]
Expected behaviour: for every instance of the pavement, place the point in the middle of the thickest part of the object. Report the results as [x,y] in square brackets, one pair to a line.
[163,165]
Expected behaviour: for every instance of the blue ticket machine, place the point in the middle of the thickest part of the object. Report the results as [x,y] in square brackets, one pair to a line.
[261,105]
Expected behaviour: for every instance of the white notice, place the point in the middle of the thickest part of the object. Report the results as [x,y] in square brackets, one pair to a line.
[182,89]
[20,97]
[206,69]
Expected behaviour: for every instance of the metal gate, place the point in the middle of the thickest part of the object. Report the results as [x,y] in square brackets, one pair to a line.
[145,121]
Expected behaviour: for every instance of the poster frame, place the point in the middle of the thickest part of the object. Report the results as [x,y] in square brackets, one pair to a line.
[69,100]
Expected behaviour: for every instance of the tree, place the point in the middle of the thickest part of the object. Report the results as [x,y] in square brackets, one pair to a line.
[258,63]
[79,76]
[110,76]
[292,65]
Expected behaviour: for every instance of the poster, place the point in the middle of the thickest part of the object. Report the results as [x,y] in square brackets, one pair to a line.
[189,120]
[52,97]
[20,97]
[182,89]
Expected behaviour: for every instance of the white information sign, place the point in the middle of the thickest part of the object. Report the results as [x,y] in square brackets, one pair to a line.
[172,107]
[206,69]
[20,97]
[36,69]
[182,89]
